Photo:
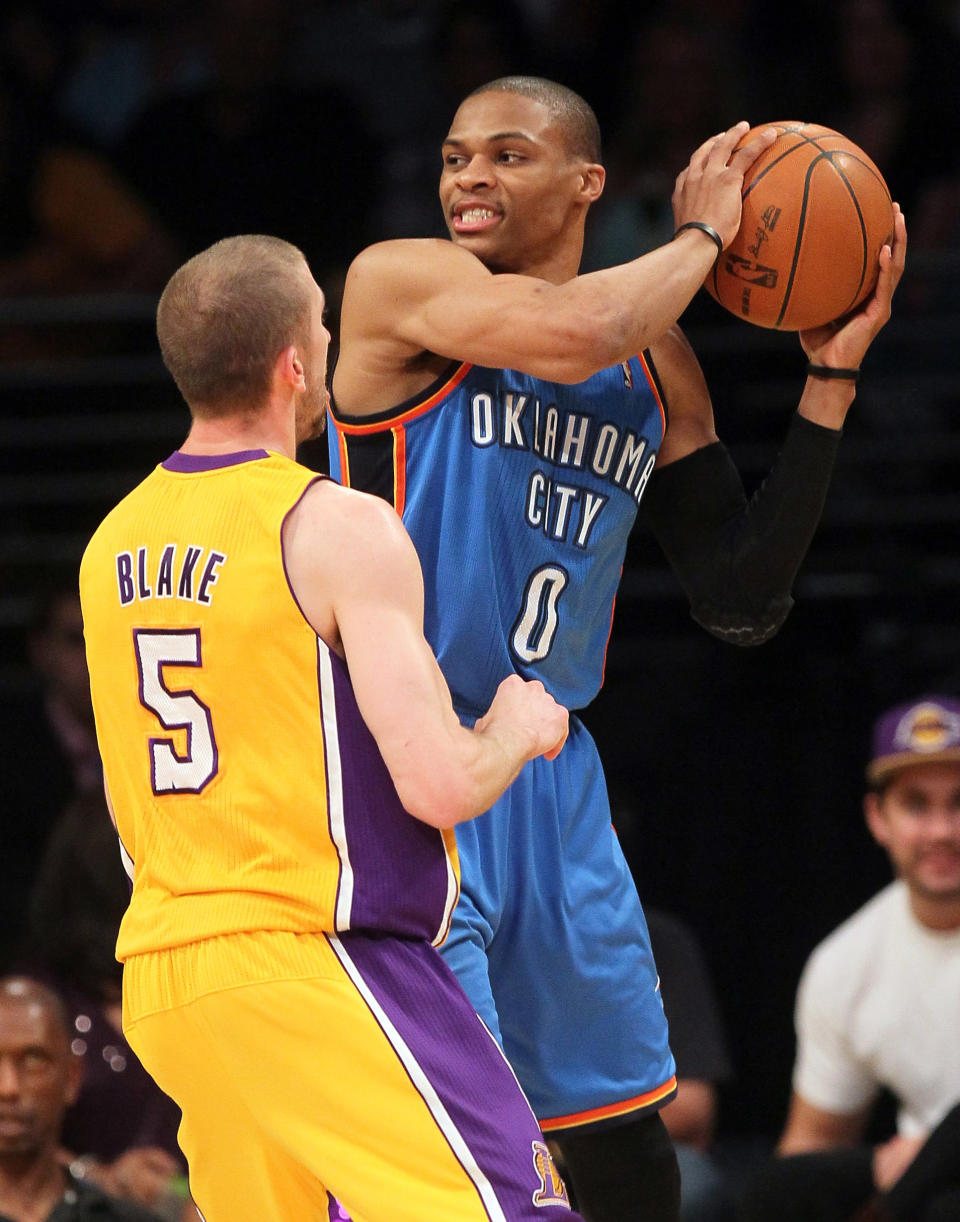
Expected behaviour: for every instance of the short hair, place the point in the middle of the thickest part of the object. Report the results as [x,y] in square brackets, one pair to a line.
[27,991]
[227,314]
[572,112]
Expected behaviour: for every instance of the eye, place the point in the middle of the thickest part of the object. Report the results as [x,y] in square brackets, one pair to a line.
[453,159]
[35,1061]
[509,157]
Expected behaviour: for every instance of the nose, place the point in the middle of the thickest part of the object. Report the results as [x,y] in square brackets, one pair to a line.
[944,822]
[9,1078]
[477,172]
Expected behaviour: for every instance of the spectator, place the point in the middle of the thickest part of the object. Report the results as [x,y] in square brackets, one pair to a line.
[249,130]
[39,1078]
[703,1063]
[929,1189]
[382,54]
[125,53]
[71,221]
[898,97]
[48,730]
[681,91]
[122,1128]
[878,1000]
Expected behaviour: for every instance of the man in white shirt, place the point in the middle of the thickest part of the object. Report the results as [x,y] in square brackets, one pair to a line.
[878,1006]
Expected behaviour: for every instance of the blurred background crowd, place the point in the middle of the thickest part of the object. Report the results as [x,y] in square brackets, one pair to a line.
[135,132]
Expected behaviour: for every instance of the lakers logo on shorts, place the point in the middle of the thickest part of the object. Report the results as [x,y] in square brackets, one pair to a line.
[552,1190]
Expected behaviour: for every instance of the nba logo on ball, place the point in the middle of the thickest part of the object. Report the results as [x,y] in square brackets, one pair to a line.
[816,214]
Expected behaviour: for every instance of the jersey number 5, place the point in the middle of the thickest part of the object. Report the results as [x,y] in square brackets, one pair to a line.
[180,710]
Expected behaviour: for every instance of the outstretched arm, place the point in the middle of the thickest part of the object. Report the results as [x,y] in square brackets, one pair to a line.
[403,298]
[737,559]
[356,575]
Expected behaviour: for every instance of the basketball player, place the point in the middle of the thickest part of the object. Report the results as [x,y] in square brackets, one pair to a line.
[515,413]
[268,713]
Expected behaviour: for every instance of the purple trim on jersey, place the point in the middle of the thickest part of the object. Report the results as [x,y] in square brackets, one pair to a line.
[419,997]
[283,550]
[399,863]
[191,464]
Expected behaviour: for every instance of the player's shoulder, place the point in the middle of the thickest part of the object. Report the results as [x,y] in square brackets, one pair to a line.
[116,519]
[408,261]
[346,513]
[346,540]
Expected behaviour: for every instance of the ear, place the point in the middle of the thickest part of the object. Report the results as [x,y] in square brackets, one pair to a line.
[876,818]
[74,1079]
[289,368]
[592,179]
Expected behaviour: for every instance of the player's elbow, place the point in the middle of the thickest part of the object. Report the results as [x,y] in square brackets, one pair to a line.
[574,333]
[744,623]
[440,799]
[591,336]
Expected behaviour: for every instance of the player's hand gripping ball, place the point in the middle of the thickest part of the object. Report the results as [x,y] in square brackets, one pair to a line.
[816,213]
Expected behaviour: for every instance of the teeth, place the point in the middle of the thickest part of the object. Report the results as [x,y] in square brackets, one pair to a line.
[476,214]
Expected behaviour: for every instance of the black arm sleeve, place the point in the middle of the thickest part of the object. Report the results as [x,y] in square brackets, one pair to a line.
[736,559]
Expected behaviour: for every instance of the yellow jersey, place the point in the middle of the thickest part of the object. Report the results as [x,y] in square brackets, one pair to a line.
[248,792]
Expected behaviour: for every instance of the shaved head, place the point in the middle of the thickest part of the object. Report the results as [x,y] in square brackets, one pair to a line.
[227,314]
[31,994]
[41,1074]
[573,115]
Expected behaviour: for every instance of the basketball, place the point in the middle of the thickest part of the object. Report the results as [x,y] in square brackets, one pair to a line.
[816,213]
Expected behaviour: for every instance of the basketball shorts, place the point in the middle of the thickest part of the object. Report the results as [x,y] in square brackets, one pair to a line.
[352,1065]
[551,945]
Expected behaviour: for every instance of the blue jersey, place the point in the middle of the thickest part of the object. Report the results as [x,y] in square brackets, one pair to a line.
[519,495]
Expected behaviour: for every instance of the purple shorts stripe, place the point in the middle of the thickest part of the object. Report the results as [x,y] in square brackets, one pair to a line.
[460,1072]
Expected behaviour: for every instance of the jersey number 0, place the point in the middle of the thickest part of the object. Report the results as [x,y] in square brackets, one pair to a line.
[536,624]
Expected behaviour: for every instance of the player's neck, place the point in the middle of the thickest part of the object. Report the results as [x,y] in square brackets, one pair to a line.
[556,268]
[267,430]
[556,264]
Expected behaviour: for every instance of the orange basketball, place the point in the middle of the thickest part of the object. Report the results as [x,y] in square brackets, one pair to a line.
[816,213]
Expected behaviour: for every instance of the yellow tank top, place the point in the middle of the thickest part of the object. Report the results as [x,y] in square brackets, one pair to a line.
[248,792]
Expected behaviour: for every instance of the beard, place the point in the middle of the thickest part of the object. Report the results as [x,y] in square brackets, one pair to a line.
[312,412]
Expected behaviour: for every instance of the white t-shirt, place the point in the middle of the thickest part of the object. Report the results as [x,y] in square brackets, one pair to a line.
[879,1006]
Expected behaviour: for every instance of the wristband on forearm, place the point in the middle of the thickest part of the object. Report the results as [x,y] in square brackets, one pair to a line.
[736,559]
[704,228]
[832,373]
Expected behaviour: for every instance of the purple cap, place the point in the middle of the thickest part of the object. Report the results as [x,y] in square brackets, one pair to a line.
[924,731]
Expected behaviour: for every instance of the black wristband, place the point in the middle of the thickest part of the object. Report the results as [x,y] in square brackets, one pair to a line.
[828,371]
[707,229]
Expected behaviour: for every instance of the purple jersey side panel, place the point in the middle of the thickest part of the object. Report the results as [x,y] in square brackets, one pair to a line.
[400,874]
